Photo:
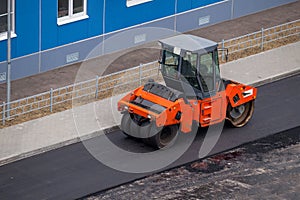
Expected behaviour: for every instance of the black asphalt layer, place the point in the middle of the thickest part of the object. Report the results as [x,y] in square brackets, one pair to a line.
[71,172]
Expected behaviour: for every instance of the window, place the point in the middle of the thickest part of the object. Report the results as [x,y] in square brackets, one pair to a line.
[170,63]
[71,10]
[189,70]
[207,71]
[130,3]
[3,19]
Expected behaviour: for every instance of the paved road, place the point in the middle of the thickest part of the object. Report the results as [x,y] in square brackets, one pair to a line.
[71,172]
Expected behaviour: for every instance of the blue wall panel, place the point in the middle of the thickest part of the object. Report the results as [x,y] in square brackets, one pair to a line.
[3,51]
[95,21]
[49,24]
[54,35]
[72,32]
[27,27]
[200,3]
[119,16]
[183,5]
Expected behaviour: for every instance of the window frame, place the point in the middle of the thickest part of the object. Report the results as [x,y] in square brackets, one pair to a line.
[3,35]
[71,17]
[130,3]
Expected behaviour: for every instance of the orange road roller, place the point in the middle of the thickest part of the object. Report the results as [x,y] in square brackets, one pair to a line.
[193,92]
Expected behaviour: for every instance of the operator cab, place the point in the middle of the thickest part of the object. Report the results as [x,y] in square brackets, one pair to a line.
[190,65]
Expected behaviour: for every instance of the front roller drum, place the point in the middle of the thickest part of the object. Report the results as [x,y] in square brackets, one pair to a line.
[161,136]
[240,115]
[157,137]
[132,129]
[125,124]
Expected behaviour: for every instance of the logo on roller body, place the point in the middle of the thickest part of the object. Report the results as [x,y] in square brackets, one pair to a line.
[248,93]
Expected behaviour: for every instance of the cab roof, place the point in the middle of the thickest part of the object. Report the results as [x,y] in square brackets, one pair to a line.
[189,43]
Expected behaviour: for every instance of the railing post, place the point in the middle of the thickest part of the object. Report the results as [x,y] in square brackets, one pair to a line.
[97,87]
[51,99]
[223,47]
[7,110]
[140,74]
[3,114]
[262,38]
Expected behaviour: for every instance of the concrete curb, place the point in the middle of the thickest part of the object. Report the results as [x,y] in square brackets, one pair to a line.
[111,129]
[278,77]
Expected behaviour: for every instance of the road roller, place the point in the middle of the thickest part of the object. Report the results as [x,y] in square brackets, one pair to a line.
[193,92]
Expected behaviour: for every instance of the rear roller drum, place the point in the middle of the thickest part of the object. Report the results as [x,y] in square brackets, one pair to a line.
[240,115]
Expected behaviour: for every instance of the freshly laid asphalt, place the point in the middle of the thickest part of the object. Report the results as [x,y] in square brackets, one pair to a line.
[71,172]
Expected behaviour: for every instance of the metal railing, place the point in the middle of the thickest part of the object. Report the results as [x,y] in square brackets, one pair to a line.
[261,39]
[105,86]
[82,92]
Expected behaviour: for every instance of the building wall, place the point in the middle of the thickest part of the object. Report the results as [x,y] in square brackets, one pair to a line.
[246,7]
[54,35]
[27,24]
[41,44]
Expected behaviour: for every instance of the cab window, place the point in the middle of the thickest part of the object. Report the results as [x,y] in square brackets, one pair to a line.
[189,70]
[170,63]
[206,71]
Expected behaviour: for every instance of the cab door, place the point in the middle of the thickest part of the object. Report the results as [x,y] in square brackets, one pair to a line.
[212,110]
